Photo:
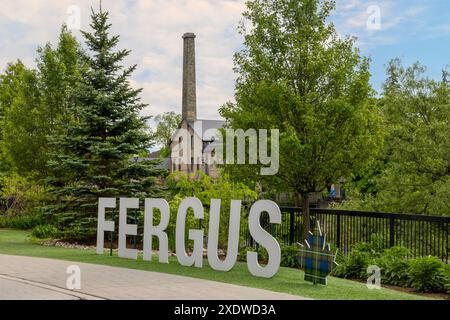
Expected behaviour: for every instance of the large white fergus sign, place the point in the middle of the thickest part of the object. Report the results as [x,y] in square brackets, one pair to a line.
[196,257]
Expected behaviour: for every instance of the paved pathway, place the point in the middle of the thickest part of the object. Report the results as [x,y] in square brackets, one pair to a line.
[38,278]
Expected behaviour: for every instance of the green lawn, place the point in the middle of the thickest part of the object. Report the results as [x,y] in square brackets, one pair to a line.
[287,280]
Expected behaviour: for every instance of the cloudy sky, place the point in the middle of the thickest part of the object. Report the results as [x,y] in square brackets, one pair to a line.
[410,29]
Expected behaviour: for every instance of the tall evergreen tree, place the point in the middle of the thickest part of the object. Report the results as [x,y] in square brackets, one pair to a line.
[95,158]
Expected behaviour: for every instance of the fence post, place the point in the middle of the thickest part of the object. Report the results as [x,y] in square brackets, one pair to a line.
[338,231]
[446,252]
[291,227]
[391,232]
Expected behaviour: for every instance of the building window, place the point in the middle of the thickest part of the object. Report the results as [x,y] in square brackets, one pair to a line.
[192,142]
[174,168]
[180,139]
[192,164]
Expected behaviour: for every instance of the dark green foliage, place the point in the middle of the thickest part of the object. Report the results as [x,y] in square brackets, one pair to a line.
[425,274]
[242,253]
[394,266]
[354,265]
[288,256]
[262,253]
[45,232]
[206,188]
[93,158]
[428,274]
[24,222]
[393,261]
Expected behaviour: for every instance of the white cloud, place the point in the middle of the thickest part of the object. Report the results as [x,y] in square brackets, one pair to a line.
[152,29]
[351,18]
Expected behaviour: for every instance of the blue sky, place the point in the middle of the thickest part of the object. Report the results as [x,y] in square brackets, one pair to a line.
[412,30]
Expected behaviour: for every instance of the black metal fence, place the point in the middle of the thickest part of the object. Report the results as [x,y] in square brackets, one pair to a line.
[422,235]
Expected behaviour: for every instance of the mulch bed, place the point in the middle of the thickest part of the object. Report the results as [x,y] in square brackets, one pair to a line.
[442,295]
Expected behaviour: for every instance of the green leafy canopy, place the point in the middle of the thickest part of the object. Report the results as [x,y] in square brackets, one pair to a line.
[297,75]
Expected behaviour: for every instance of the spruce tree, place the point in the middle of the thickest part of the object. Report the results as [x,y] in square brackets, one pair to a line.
[96,157]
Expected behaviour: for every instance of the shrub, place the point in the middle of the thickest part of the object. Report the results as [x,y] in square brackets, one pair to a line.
[354,265]
[242,253]
[45,232]
[205,188]
[25,222]
[366,247]
[394,266]
[20,196]
[447,281]
[288,256]
[262,253]
[428,274]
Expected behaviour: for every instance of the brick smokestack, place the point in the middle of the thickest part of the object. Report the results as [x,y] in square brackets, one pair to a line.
[189,81]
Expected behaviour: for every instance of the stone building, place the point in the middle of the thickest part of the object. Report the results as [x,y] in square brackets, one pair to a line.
[195,139]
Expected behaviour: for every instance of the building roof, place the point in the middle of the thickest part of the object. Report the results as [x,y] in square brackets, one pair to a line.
[163,165]
[206,129]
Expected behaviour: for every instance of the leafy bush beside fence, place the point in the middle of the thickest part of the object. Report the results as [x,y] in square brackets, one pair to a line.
[425,274]
[428,274]
[394,265]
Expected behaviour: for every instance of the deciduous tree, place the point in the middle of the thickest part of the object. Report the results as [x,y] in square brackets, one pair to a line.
[296,74]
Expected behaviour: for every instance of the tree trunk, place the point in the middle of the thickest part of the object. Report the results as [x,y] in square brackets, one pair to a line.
[305,211]
[303,202]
